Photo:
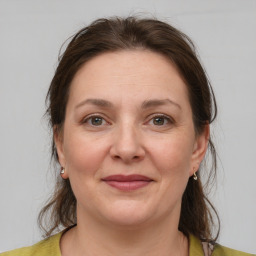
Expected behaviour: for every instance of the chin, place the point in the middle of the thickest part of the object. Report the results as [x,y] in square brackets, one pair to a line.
[128,215]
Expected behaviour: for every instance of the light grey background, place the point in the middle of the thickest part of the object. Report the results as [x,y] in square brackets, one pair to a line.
[31,33]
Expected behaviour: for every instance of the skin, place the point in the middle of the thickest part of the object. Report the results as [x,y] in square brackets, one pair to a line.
[135,135]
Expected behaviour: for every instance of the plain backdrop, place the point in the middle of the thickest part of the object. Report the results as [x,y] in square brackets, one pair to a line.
[31,33]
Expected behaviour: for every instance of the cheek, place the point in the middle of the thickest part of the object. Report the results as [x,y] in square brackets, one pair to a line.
[84,157]
[84,154]
[172,156]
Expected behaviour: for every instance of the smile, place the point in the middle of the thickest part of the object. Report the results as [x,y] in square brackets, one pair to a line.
[127,183]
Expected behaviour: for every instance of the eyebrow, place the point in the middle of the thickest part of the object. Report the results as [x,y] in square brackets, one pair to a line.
[146,104]
[96,102]
[157,102]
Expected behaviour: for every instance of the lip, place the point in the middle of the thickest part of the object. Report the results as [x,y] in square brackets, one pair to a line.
[127,182]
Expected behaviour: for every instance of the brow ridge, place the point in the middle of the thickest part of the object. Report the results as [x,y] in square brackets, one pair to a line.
[157,102]
[97,102]
[146,104]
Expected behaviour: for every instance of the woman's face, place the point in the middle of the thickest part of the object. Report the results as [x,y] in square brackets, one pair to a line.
[128,143]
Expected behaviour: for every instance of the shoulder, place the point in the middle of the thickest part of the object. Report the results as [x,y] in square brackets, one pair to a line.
[198,248]
[49,247]
[220,250]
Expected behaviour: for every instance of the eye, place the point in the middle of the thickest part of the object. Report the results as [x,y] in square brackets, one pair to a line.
[160,120]
[95,120]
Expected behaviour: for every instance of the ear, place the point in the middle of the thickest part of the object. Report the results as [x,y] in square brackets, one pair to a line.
[58,140]
[200,148]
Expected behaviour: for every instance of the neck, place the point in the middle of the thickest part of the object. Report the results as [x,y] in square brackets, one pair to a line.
[91,237]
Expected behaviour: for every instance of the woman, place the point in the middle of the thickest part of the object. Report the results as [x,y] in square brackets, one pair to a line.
[130,108]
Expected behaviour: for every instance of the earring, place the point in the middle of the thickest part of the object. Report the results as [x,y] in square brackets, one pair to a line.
[62,171]
[194,176]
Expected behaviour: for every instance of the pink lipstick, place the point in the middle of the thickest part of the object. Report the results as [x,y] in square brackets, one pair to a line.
[127,183]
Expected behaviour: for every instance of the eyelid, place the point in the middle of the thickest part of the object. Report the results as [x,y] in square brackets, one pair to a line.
[149,117]
[85,119]
[167,117]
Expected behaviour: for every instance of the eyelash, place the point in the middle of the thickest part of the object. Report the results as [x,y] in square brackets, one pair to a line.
[87,119]
[165,117]
[168,118]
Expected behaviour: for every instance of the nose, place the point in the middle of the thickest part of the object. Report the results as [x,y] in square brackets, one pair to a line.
[127,145]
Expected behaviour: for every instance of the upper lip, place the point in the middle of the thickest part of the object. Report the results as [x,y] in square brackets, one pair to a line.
[127,178]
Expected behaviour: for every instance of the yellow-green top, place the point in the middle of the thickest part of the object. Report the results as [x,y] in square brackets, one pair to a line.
[50,247]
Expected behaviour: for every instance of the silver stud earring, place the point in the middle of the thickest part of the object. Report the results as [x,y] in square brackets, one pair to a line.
[62,171]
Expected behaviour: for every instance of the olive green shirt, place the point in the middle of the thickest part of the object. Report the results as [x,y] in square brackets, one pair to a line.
[51,247]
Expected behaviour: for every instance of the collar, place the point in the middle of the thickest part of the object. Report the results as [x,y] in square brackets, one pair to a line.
[195,246]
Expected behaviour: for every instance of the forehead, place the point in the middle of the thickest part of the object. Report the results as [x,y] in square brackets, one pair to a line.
[130,73]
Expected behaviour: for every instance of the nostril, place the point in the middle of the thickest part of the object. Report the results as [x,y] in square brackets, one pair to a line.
[127,158]
[127,149]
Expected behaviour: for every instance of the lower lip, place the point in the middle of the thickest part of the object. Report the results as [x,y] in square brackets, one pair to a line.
[128,185]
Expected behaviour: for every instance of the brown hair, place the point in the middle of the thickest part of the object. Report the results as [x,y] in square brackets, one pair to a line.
[108,35]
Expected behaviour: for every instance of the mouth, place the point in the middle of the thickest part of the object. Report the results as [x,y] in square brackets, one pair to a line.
[127,182]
